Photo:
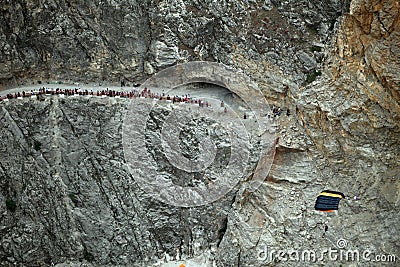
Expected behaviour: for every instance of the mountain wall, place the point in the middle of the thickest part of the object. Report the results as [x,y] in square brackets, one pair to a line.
[333,64]
[106,41]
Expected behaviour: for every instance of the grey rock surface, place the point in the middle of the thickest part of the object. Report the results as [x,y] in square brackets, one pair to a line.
[128,39]
[62,162]
[75,197]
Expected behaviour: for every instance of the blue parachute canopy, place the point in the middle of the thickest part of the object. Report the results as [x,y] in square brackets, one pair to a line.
[328,200]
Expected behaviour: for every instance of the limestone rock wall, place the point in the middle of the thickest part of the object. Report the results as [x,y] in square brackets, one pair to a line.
[73,40]
[76,201]
[343,133]
[106,41]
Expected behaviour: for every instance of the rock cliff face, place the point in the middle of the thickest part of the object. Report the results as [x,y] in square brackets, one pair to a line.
[75,197]
[126,39]
[66,196]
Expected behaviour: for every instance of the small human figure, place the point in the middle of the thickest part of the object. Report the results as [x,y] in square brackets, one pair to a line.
[325,229]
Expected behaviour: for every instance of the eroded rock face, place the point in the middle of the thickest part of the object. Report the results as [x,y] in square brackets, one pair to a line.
[113,40]
[366,53]
[75,196]
[342,134]
[102,40]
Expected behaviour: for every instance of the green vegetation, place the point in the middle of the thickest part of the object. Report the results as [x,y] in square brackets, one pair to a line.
[11,205]
[315,48]
[313,29]
[311,76]
[73,197]
[88,256]
[37,145]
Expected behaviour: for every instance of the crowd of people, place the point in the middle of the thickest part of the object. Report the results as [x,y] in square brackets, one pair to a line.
[64,92]
[145,93]
[277,111]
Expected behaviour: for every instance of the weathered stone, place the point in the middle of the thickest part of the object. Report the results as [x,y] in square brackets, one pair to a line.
[62,162]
